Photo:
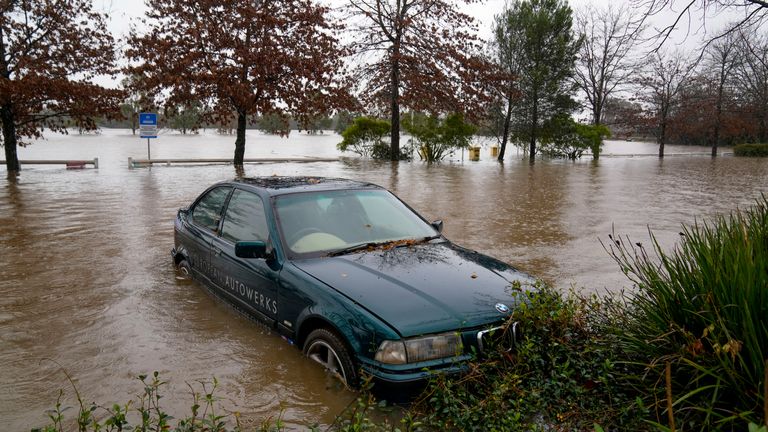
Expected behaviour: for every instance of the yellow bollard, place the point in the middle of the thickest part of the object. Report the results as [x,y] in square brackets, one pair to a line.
[474,154]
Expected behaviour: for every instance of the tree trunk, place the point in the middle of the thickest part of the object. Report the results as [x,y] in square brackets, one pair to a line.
[719,112]
[240,140]
[662,138]
[9,138]
[7,116]
[597,111]
[716,138]
[507,119]
[534,126]
[395,105]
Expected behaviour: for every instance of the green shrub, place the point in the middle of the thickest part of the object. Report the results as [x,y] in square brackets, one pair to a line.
[702,308]
[562,375]
[436,137]
[564,137]
[366,137]
[751,150]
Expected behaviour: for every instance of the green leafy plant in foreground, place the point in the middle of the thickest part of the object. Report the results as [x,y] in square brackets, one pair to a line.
[151,416]
[701,309]
[562,375]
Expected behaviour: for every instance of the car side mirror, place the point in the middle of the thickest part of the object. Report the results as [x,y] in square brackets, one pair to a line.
[251,249]
[438,225]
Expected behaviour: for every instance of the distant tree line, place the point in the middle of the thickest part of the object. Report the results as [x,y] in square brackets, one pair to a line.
[282,65]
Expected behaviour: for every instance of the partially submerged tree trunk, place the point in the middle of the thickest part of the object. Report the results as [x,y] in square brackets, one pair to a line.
[240,140]
[394,146]
[7,118]
[505,136]
[718,118]
[9,138]
[534,129]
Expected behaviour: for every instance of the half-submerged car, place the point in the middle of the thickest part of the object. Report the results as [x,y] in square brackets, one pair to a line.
[349,273]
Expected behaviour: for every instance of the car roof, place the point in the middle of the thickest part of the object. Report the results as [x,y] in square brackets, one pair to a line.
[280,185]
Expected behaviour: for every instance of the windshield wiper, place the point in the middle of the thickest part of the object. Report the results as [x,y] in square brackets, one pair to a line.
[355,248]
[429,238]
[368,245]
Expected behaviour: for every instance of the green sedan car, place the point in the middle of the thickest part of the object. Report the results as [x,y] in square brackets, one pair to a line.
[350,274]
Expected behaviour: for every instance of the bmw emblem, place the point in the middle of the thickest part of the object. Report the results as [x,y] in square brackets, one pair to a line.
[502,308]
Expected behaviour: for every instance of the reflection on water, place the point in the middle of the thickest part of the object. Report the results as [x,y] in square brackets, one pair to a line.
[88,285]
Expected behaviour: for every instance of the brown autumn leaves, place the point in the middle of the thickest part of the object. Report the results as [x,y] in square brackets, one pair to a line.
[49,53]
[239,59]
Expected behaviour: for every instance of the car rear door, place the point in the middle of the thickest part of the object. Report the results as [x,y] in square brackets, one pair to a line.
[251,283]
[202,228]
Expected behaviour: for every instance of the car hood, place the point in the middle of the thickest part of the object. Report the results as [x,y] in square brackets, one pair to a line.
[421,289]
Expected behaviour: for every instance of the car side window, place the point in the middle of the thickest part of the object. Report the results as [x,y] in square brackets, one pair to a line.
[245,219]
[207,212]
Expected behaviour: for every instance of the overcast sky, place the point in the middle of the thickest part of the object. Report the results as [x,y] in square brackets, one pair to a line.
[123,12]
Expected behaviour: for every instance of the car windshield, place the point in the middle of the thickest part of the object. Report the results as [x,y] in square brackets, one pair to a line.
[332,221]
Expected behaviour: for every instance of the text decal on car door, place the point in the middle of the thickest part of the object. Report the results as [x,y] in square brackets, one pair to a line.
[256,298]
[250,294]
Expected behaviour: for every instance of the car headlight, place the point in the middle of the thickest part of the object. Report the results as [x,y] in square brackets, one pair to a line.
[392,352]
[419,349]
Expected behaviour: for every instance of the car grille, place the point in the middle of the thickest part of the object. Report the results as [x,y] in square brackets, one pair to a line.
[502,337]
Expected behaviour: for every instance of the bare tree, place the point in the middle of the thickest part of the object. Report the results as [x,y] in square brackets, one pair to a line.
[751,75]
[720,60]
[415,53]
[605,61]
[694,13]
[661,85]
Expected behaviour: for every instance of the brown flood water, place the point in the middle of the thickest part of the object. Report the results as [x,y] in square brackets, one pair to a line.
[87,283]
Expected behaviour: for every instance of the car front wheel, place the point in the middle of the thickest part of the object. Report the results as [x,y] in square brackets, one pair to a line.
[327,349]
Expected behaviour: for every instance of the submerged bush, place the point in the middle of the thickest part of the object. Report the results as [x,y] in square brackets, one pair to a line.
[369,137]
[759,150]
[701,311]
[436,137]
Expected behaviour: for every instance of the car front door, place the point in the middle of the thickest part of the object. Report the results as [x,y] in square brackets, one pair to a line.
[202,229]
[250,282]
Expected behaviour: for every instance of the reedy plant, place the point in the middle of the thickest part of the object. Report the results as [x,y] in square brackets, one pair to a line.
[703,307]
[152,416]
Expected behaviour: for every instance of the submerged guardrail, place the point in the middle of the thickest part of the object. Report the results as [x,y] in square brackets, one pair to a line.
[140,163]
[70,164]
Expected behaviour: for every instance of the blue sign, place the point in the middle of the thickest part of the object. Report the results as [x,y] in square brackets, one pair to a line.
[148,119]
[148,125]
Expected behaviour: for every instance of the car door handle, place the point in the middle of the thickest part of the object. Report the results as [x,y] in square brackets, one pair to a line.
[216,251]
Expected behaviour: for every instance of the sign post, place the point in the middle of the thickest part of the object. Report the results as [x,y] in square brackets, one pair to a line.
[148,128]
